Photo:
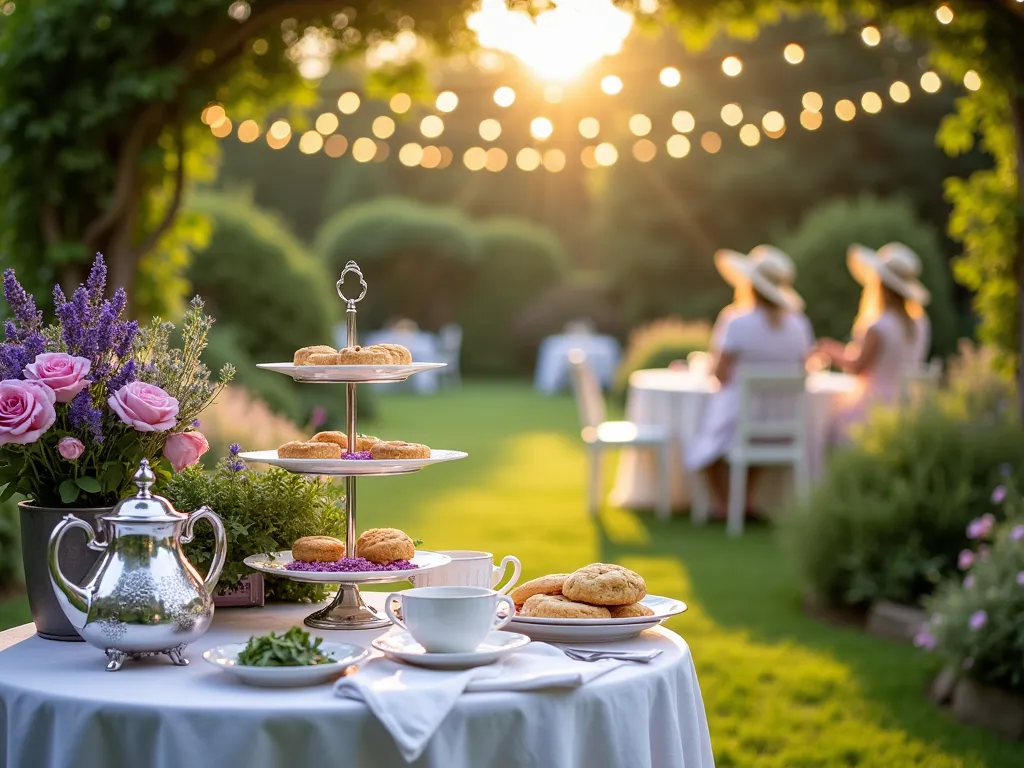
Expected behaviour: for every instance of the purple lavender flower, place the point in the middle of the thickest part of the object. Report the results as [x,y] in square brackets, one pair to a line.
[23,306]
[97,282]
[234,449]
[999,494]
[196,424]
[969,581]
[926,640]
[978,620]
[125,376]
[82,415]
[981,527]
[1017,532]
[966,560]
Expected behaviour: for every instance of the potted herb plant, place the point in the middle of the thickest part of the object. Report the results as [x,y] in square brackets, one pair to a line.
[82,401]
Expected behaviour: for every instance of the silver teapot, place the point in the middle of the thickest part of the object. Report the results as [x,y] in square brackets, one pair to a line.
[143,597]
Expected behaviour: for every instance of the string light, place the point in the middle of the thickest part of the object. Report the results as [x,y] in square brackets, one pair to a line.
[931,82]
[400,103]
[222,129]
[363,149]
[670,77]
[348,103]
[750,135]
[732,114]
[588,157]
[431,126]
[497,159]
[773,122]
[410,154]
[711,142]
[248,131]
[280,129]
[899,92]
[446,101]
[871,36]
[589,127]
[475,158]
[811,119]
[431,157]
[605,154]
[553,94]
[554,160]
[541,128]
[528,159]
[972,80]
[677,146]
[871,102]
[611,84]
[335,145]
[310,143]
[846,110]
[683,121]
[327,123]
[793,53]
[732,66]
[504,97]
[640,125]
[383,127]
[213,114]
[944,14]
[644,150]
[812,101]
[490,129]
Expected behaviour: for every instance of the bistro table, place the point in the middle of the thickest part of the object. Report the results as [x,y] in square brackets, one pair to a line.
[62,709]
[677,399]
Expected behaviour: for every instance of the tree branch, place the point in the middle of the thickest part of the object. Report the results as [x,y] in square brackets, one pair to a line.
[179,186]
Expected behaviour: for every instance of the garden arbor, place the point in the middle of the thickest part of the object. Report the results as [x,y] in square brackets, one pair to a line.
[98,134]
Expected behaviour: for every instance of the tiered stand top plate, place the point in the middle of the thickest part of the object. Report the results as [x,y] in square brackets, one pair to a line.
[349,374]
[352,467]
[273,564]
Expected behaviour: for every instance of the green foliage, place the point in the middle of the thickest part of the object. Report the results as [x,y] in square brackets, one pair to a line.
[263,512]
[657,344]
[11,572]
[422,258]
[818,248]
[517,260]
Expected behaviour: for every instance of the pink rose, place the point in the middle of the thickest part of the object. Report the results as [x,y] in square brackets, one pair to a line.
[145,407]
[26,411]
[184,449]
[70,448]
[64,374]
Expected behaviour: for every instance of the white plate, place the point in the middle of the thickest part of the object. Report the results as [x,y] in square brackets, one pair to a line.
[275,562]
[400,645]
[225,657]
[597,630]
[663,607]
[345,374]
[351,467]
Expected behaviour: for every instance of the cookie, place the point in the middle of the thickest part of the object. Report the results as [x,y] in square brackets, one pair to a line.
[630,611]
[299,450]
[318,549]
[363,442]
[363,356]
[322,358]
[385,545]
[545,585]
[603,584]
[302,355]
[399,354]
[560,607]
[396,449]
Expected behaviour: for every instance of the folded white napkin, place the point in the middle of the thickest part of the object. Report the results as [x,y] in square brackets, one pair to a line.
[412,702]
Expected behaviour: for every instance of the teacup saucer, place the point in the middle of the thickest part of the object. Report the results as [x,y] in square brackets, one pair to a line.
[401,646]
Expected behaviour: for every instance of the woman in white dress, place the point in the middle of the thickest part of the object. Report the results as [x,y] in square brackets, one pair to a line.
[772,330]
[891,335]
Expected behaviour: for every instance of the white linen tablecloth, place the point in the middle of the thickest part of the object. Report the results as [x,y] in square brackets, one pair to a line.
[677,399]
[552,372]
[61,709]
[422,345]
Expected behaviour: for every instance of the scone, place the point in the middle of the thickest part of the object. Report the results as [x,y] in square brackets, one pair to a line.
[363,442]
[561,607]
[396,449]
[302,355]
[363,356]
[322,358]
[545,585]
[399,354]
[630,611]
[299,450]
[603,584]
[385,545]
[318,549]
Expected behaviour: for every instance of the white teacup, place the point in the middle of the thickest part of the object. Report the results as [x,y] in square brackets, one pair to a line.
[450,619]
[470,568]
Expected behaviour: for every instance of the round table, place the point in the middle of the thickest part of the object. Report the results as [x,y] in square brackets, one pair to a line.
[61,708]
[677,399]
[552,373]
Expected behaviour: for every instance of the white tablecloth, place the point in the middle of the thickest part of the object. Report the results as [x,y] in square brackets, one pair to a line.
[61,709]
[552,373]
[678,399]
[422,345]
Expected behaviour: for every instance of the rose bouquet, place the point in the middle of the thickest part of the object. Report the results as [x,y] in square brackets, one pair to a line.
[85,399]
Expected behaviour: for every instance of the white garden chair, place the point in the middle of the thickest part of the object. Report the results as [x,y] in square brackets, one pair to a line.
[601,435]
[771,431]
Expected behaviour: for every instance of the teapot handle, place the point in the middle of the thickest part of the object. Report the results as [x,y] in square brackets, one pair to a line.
[78,598]
[220,550]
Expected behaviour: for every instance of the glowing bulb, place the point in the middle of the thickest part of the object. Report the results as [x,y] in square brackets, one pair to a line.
[554,160]
[944,14]
[490,129]
[431,126]
[899,92]
[213,114]
[640,125]
[335,145]
[278,142]
[504,97]
[446,102]
[541,128]
[871,36]
[383,127]
[750,135]
[364,149]
[528,159]
[871,102]
[811,119]
[475,158]
[310,143]
[605,154]
[683,121]
[732,66]
[711,142]
[327,123]
[497,159]
[222,129]
[773,122]
[400,103]
[611,84]
[677,146]
[670,77]
[248,132]
[431,157]
[644,150]
[589,127]
[280,130]
[348,103]
[972,80]
[410,154]
[846,110]
[812,101]
[931,82]
[793,53]
[732,114]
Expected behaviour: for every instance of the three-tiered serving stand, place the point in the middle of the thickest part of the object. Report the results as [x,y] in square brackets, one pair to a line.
[347,610]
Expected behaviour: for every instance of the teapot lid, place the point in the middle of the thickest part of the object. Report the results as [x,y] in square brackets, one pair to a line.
[145,506]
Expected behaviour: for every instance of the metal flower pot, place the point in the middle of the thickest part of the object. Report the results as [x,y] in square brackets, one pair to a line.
[37,523]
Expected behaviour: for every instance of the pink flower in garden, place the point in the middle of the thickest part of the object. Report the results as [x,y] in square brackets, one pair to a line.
[981,527]
[966,560]
[185,448]
[968,581]
[1017,533]
[925,639]
[62,373]
[70,448]
[145,407]
[999,494]
[26,411]
[978,619]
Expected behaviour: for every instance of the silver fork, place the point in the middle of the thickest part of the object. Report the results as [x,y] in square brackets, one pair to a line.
[584,654]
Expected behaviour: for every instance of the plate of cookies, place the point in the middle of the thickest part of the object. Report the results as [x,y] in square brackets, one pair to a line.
[382,555]
[377,363]
[327,453]
[597,603]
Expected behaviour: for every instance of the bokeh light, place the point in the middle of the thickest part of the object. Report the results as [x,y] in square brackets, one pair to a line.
[382,153]
[364,149]
[670,77]
[348,102]
[793,53]
[811,119]
[711,142]
[605,154]
[677,146]
[588,157]
[773,122]
[611,84]
[871,36]
[732,114]
[310,142]
[504,97]
[400,103]
[383,127]
[475,158]
[213,114]
[812,101]
[222,129]
[931,82]
[490,129]
[541,128]
[871,102]
[972,80]
[899,92]
[639,125]
[446,101]
[846,110]
[497,159]
[446,157]
[589,127]
[335,145]
[431,126]
[431,157]
[327,123]
[750,135]
[410,154]
[280,129]
[732,66]
[944,14]
[683,121]
[528,159]
[248,131]
[644,150]
[554,160]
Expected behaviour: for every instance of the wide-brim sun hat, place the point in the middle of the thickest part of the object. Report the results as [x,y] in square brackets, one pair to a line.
[767,269]
[895,264]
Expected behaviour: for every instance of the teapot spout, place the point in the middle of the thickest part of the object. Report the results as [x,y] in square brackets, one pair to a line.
[73,599]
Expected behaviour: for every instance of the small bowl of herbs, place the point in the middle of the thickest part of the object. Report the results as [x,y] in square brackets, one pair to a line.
[285,661]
